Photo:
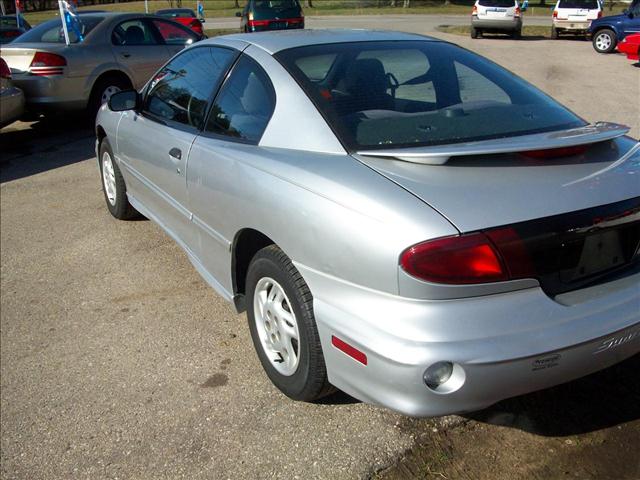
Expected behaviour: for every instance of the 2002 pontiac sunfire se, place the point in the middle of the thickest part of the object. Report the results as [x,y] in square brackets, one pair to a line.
[402,219]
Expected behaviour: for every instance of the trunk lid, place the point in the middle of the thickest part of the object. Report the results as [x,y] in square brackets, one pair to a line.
[484,191]
[19,55]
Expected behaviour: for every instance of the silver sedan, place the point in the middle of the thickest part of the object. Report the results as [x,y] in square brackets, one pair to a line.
[400,218]
[109,52]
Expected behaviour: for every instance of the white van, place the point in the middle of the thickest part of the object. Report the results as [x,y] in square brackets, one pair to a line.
[574,16]
[496,16]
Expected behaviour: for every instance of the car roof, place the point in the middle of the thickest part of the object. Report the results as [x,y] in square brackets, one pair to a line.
[276,41]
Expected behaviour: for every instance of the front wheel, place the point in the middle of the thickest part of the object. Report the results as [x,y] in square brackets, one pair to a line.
[604,41]
[113,186]
[283,326]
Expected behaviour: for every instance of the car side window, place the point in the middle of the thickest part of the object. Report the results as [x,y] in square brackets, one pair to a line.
[174,34]
[133,32]
[245,103]
[181,90]
[475,87]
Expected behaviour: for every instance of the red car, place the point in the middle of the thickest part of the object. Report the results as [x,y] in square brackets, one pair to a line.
[185,16]
[630,46]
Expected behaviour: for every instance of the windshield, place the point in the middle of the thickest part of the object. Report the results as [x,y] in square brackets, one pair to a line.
[417,93]
[583,4]
[51,31]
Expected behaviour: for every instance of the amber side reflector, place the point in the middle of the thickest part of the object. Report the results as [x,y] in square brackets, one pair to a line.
[349,350]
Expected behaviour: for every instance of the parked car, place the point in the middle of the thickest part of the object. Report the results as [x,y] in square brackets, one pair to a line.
[184,16]
[260,15]
[401,218]
[118,51]
[606,32]
[11,97]
[9,28]
[574,16]
[630,46]
[496,16]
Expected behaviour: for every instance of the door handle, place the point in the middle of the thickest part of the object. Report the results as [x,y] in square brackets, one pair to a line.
[175,153]
[125,54]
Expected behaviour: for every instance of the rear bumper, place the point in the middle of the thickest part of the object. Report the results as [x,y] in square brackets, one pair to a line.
[509,24]
[12,100]
[572,26]
[57,92]
[502,345]
[293,26]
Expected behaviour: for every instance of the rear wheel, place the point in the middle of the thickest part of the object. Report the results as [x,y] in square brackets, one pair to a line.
[554,33]
[604,41]
[103,90]
[283,326]
[474,32]
[517,34]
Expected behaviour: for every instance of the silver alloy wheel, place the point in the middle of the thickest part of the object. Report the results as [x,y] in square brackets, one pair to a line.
[603,42]
[109,178]
[277,326]
[107,92]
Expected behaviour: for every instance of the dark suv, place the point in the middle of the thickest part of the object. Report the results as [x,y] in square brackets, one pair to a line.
[261,15]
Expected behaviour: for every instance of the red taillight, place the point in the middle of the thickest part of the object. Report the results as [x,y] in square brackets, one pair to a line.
[258,23]
[5,72]
[295,20]
[474,10]
[513,251]
[556,152]
[555,14]
[195,23]
[45,63]
[463,259]
[517,12]
[10,33]
[599,14]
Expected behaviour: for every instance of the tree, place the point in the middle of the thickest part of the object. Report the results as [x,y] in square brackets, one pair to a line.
[308,3]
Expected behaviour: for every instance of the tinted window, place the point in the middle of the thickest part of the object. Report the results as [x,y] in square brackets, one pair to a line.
[133,32]
[181,90]
[276,8]
[176,13]
[245,103]
[174,34]
[51,31]
[497,3]
[414,93]
[585,4]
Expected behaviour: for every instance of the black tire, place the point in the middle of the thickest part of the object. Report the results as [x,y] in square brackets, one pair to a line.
[120,208]
[309,380]
[602,38]
[474,32]
[102,85]
[554,33]
[517,34]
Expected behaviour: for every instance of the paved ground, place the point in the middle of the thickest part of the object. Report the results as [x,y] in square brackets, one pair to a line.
[117,361]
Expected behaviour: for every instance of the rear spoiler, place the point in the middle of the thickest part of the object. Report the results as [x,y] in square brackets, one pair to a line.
[440,154]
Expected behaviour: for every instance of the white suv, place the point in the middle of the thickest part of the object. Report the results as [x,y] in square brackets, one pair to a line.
[574,16]
[496,16]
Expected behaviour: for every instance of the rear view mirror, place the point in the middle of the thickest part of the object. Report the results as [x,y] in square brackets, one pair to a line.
[123,101]
[238,14]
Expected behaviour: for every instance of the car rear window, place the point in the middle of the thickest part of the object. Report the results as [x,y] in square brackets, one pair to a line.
[51,31]
[497,3]
[418,93]
[182,13]
[279,8]
[584,4]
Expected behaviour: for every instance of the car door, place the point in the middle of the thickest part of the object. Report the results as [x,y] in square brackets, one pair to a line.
[139,49]
[174,36]
[239,115]
[631,24]
[154,144]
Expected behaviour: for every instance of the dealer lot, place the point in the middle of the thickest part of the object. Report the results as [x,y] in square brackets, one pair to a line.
[118,361]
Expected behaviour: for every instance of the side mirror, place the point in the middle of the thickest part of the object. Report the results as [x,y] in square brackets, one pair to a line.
[238,14]
[124,100]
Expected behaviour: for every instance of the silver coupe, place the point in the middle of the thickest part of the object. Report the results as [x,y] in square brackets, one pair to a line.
[401,219]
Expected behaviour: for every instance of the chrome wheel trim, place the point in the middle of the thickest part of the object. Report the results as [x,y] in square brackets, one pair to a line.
[603,41]
[107,92]
[109,178]
[276,326]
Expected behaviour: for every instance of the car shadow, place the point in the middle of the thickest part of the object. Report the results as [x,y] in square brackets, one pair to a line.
[45,144]
[525,38]
[604,399]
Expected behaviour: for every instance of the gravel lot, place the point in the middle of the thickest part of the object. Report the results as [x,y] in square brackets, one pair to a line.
[117,361]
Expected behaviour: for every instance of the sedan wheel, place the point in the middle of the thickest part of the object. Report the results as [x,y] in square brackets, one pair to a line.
[283,327]
[108,178]
[113,186]
[107,92]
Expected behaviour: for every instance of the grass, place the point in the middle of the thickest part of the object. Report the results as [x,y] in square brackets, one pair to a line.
[527,30]
[227,8]
[215,32]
